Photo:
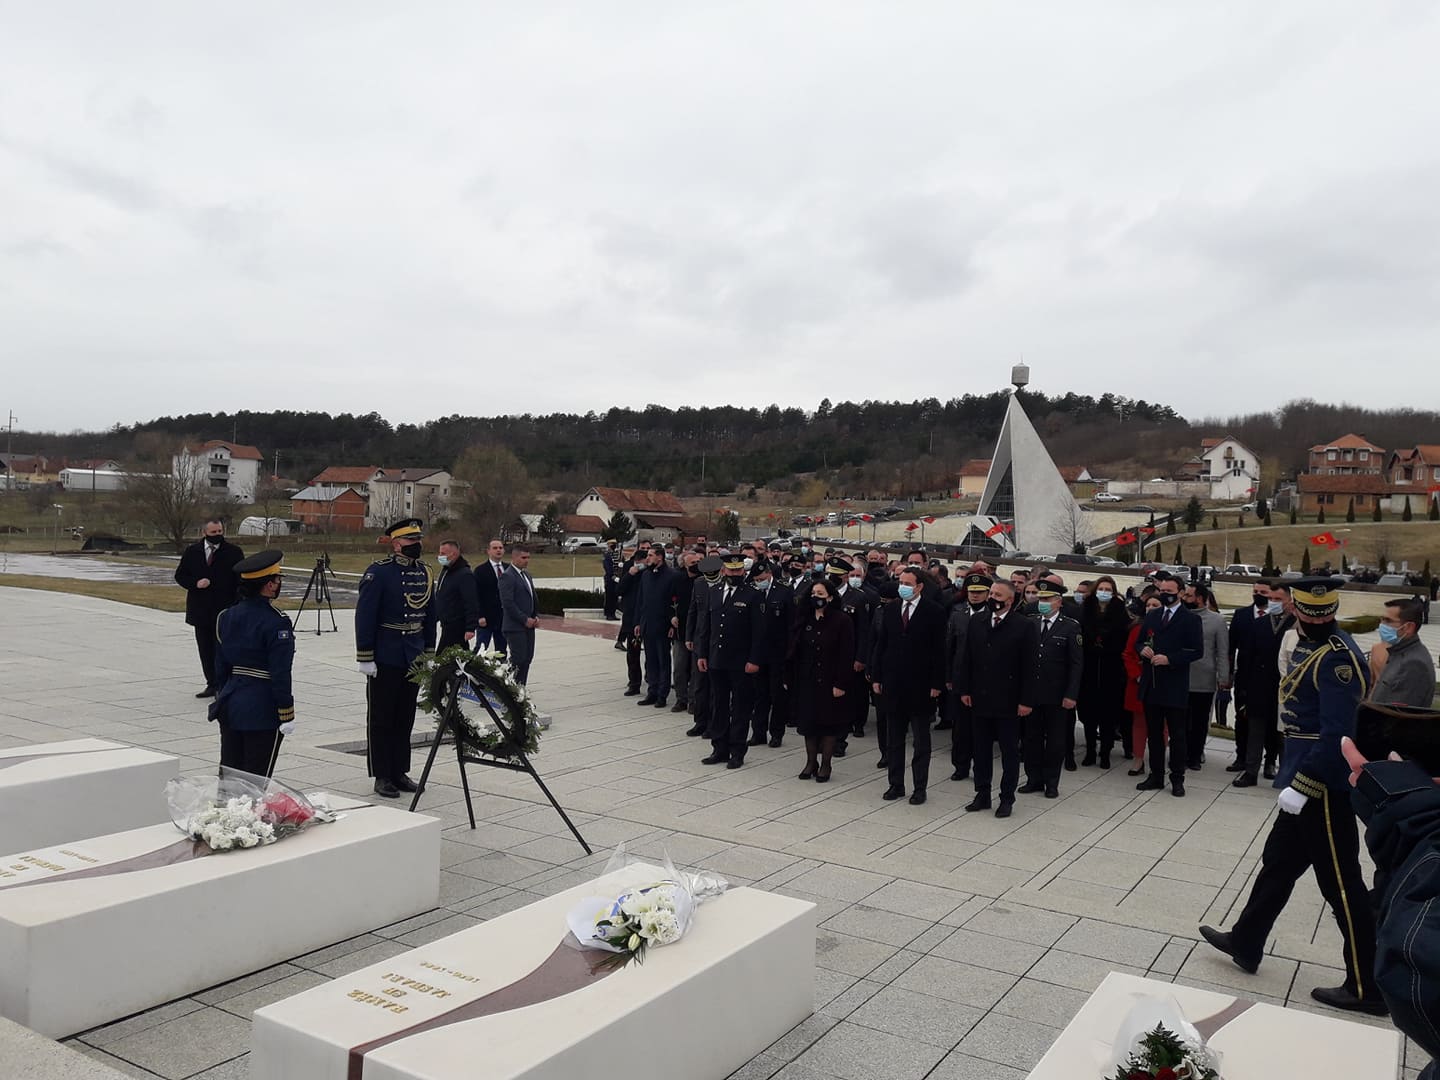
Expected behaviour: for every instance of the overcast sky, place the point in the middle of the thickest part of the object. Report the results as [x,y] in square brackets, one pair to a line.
[526,207]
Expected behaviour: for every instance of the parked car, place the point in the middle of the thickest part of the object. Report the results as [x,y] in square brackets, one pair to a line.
[1178,571]
[1107,496]
[572,544]
[1073,559]
[1108,563]
[889,511]
[1394,581]
[1243,570]
[1248,508]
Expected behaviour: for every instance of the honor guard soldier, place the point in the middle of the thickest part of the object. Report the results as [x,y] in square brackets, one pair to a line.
[1315,829]
[255,651]
[394,618]
[730,646]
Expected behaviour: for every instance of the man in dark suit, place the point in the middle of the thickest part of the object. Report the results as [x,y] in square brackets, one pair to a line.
[610,567]
[1171,639]
[1059,665]
[710,568]
[658,583]
[730,647]
[771,709]
[973,599]
[207,574]
[1255,635]
[997,682]
[456,605]
[487,587]
[859,604]
[520,613]
[907,671]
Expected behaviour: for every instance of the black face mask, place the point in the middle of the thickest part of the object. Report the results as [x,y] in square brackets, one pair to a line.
[997,605]
[1316,631]
[1191,604]
[818,602]
[1169,599]
[411,551]
[216,540]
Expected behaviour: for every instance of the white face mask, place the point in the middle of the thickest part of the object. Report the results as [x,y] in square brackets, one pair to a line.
[1275,607]
[443,560]
[856,582]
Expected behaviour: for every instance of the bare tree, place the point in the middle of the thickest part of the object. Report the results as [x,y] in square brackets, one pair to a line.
[270,497]
[1070,526]
[500,488]
[387,502]
[167,491]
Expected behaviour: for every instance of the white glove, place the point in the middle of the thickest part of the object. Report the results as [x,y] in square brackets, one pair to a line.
[287,728]
[1291,801]
[368,669]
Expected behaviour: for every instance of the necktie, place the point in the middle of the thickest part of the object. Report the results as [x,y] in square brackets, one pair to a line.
[209,554]
[499,570]
[995,625]
[905,616]
[1165,619]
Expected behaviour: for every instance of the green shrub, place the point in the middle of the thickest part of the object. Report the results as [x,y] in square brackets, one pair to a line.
[555,601]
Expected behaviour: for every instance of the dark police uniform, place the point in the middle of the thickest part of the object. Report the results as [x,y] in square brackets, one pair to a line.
[394,618]
[962,733]
[771,711]
[730,634]
[1318,701]
[860,606]
[1059,667]
[255,649]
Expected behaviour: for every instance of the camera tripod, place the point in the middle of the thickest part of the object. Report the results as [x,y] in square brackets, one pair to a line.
[319,586]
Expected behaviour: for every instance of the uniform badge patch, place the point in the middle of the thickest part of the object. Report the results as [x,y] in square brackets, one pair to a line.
[283,635]
[1344,673]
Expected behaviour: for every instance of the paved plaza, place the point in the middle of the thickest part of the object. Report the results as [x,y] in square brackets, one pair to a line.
[951,946]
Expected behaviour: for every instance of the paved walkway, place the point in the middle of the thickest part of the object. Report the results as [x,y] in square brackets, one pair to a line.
[951,946]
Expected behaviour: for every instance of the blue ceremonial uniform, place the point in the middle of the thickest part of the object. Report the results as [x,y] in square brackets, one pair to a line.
[253,661]
[395,616]
[1318,700]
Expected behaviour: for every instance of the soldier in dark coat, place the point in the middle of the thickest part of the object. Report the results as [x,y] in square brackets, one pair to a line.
[1254,638]
[997,681]
[394,619]
[256,649]
[710,568]
[730,643]
[658,585]
[974,600]
[858,602]
[1059,665]
[207,574]
[771,712]
[627,588]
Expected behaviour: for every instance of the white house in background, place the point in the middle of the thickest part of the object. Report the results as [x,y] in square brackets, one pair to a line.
[647,510]
[224,469]
[398,493]
[1230,467]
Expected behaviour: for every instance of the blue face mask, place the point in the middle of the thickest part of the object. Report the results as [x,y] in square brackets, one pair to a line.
[1275,607]
[856,582]
[907,592]
[443,560]
[763,586]
[1044,607]
[1104,595]
[1388,634]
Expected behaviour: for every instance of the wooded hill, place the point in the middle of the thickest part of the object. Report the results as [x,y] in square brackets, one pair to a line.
[861,448]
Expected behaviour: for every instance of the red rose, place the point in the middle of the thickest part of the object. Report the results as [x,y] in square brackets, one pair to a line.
[287,810]
[1140,1075]
[1166,1073]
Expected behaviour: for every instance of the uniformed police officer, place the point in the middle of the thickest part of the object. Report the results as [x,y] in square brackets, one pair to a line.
[730,646]
[256,648]
[771,708]
[1316,827]
[976,604]
[1057,684]
[710,567]
[859,604]
[394,618]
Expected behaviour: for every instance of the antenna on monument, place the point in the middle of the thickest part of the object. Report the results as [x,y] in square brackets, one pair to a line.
[1020,376]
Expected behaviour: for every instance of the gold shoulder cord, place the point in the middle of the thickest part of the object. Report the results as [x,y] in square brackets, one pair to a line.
[411,600]
[1290,682]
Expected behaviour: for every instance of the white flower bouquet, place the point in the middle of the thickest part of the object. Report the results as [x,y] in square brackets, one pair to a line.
[658,913]
[236,810]
[480,679]
[1157,1042]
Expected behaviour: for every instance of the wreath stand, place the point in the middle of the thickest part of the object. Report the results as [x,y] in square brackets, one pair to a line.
[451,723]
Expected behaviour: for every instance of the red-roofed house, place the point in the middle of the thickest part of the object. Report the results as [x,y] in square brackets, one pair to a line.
[972,476]
[352,476]
[330,508]
[1417,467]
[220,467]
[1333,492]
[655,515]
[1230,467]
[1347,456]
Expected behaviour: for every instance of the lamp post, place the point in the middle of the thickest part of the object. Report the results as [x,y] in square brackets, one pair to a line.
[59,513]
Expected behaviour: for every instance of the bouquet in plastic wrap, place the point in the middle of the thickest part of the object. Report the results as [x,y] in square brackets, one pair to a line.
[241,810]
[643,917]
[1156,1042]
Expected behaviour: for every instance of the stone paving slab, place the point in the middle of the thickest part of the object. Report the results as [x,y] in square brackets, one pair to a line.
[951,946]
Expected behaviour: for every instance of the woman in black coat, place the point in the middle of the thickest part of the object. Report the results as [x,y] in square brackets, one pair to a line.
[819,665]
[1104,626]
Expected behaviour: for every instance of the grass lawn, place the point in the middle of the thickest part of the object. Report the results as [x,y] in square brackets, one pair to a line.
[1406,541]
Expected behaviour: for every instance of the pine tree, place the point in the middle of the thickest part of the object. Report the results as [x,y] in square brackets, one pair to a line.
[1376,515]
[1194,514]
[1170,525]
[1294,515]
[1204,554]
[1262,508]
[1237,555]
[1179,554]
[1268,522]
[619,528]
[1425,571]
[1344,564]
[1305,560]
[1240,522]
[1214,523]
[1350,511]
[1406,515]
[1320,517]
[1269,566]
[1434,512]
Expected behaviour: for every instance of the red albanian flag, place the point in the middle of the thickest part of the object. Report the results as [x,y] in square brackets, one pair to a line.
[911,527]
[1146,530]
[1125,538]
[928,520]
[1322,539]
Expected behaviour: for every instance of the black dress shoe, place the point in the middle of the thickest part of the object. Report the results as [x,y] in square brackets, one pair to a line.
[1032,788]
[735,763]
[839,750]
[386,790]
[1337,997]
[660,703]
[822,777]
[1269,773]
[917,799]
[695,729]
[891,794]
[858,731]
[1245,779]
[1070,764]
[619,646]
[944,725]
[755,740]
[633,692]
[1089,758]
[1150,783]
[717,758]
[209,691]
[1052,792]
[1219,939]
[979,802]
[1177,788]
[404,783]
[646,700]
[960,774]
[1235,766]
[1192,766]
[775,743]
[882,764]
[1003,810]
[1104,761]
[680,706]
